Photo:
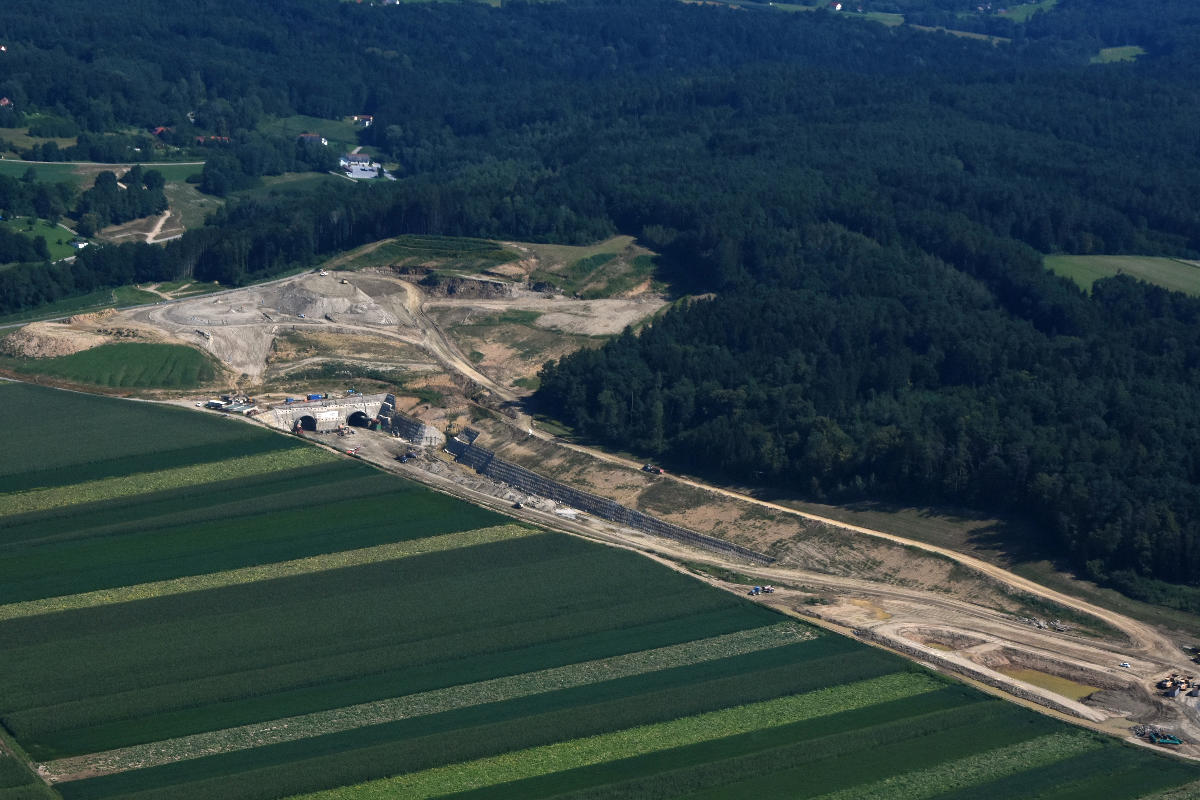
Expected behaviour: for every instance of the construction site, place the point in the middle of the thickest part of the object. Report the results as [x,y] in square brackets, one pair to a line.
[380,366]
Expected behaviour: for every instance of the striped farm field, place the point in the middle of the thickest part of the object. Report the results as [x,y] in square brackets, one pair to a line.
[204,609]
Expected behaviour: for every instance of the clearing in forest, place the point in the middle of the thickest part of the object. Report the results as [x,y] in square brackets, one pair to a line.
[1176,274]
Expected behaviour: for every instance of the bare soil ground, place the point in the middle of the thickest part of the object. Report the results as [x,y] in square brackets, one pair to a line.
[80,332]
[148,229]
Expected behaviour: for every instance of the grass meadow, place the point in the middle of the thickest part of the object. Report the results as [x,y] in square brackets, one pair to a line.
[1111,55]
[121,297]
[1169,273]
[57,239]
[451,253]
[193,608]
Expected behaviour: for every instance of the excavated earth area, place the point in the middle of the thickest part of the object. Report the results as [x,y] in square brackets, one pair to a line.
[240,326]
[80,332]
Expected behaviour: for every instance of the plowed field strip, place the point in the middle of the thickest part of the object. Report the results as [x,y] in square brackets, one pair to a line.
[424,703]
[160,480]
[635,741]
[263,572]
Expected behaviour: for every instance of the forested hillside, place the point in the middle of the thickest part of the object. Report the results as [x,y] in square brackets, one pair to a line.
[870,205]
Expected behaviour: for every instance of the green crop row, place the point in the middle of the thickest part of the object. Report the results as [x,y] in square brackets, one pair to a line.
[264,572]
[12,503]
[30,791]
[437,700]
[659,775]
[664,773]
[1189,791]
[271,491]
[492,586]
[262,651]
[147,462]
[300,513]
[863,757]
[517,768]
[64,429]
[1114,772]
[174,710]
[974,769]
[12,772]
[477,732]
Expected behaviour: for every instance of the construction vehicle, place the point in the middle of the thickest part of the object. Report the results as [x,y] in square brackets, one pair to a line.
[518,505]
[1158,737]
[757,590]
[314,397]
[768,590]
[653,470]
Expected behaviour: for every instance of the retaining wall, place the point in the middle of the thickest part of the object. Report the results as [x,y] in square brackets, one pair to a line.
[484,461]
[411,429]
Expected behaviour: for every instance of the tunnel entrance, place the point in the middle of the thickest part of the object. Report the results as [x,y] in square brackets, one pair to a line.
[358,419]
[307,423]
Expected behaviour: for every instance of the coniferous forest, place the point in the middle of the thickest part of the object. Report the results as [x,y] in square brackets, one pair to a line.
[866,209]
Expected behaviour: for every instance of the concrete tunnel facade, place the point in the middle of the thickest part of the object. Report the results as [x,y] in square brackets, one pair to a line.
[327,415]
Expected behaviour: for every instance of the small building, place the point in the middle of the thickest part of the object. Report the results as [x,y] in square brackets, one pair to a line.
[5,102]
[79,244]
[363,120]
[313,138]
[162,130]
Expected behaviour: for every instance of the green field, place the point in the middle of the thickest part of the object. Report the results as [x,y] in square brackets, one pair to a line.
[46,173]
[126,365]
[192,607]
[1024,11]
[120,297]
[1110,55]
[342,134]
[57,238]
[1169,273]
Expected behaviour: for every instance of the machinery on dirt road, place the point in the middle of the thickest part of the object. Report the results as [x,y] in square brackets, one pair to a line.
[1156,735]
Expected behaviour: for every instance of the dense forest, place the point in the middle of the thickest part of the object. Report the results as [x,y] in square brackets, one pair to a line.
[870,206]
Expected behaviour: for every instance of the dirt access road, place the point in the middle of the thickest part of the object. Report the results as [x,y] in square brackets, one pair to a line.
[1144,639]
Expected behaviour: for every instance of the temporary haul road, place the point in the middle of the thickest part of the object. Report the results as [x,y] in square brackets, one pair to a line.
[950,633]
